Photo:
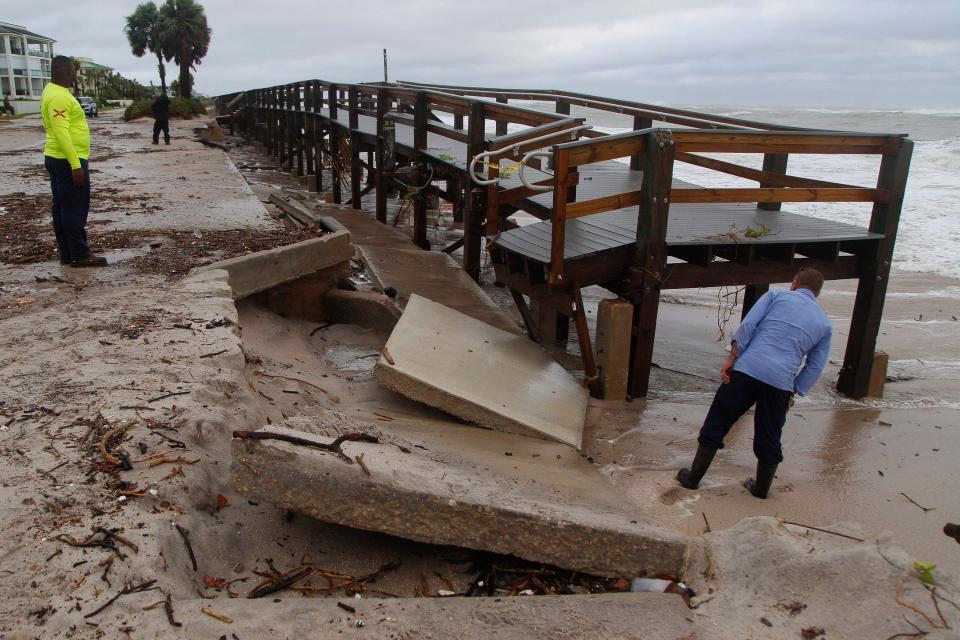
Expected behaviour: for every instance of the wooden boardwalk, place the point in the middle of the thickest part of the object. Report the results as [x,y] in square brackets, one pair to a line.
[611,212]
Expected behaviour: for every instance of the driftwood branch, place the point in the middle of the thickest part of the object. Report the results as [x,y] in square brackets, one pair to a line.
[333,447]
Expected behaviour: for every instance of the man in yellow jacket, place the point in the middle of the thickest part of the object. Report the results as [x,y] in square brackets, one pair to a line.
[66,157]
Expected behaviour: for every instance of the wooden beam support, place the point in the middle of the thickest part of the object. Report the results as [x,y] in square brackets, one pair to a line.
[474,210]
[651,253]
[420,116]
[502,124]
[854,379]
[383,107]
[583,337]
[559,217]
[532,330]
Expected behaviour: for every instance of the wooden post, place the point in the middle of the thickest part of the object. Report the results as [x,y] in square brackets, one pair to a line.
[639,124]
[614,326]
[854,377]
[421,114]
[286,129]
[773,163]
[502,124]
[751,294]
[473,214]
[336,162]
[559,218]
[309,131]
[563,108]
[651,252]
[356,177]
[458,121]
[383,107]
[318,132]
[552,324]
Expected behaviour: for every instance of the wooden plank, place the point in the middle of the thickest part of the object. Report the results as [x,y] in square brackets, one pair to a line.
[685,140]
[583,338]
[639,124]
[502,124]
[447,132]
[829,194]
[719,274]
[767,177]
[519,115]
[516,194]
[509,140]
[854,377]
[606,203]
[601,149]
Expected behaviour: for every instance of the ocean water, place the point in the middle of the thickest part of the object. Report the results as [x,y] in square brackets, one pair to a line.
[928,239]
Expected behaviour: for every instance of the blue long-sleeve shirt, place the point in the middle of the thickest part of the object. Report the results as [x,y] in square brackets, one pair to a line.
[781,329]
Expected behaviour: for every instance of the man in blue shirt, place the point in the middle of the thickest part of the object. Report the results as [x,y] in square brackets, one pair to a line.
[780,349]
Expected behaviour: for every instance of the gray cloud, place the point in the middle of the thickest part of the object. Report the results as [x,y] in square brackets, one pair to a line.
[747,52]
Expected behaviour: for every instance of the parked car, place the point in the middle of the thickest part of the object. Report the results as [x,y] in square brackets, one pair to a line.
[89,105]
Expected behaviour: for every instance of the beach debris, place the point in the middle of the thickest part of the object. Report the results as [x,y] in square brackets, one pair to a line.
[925,569]
[280,582]
[168,609]
[219,616]
[333,447]
[362,464]
[915,503]
[811,633]
[140,588]
[833,533]
[933,596]
[185,534]
[222,502]
[346,607]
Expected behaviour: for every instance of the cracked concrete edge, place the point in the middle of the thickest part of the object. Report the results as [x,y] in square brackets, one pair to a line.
[262,270]
[340,493]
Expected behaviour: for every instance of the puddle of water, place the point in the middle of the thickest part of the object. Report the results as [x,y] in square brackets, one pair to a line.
[347,358]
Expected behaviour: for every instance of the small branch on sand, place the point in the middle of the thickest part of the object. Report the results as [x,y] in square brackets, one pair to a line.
[218,616]
[185,534]
[833,533]
[291,379]
[169,395]
[168,608]
[333,447]
[917,504]
[215,353]
[362,464]
[281,582]
[146,586]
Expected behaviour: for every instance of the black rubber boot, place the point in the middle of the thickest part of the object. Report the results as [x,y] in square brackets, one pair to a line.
[690,478]
[760,487]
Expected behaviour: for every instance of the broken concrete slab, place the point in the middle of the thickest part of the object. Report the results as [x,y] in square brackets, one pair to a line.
[263,270]
[455,363]
[434,275]
[451,484]
[650,616]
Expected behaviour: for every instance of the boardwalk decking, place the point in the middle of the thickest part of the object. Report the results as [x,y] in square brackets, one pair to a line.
[611,212]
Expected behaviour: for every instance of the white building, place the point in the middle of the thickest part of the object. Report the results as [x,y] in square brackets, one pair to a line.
[24,61]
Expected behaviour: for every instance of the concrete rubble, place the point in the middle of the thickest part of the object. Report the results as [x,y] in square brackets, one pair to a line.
[450,361]
[456,485]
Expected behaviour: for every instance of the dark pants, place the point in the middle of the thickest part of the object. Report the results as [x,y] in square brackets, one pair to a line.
[733,400]
[161,124]
[71,204]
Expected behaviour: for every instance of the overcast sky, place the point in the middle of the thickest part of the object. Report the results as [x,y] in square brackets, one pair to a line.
[827,53]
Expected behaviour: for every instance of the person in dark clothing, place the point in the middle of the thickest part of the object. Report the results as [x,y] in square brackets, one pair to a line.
[780,349]
[161,118]
[7,105]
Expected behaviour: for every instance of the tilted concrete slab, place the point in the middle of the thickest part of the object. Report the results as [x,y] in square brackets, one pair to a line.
[434,275]
[458,364]
[262,270]
[452,484]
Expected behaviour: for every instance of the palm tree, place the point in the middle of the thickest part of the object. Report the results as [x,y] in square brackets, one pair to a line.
[143,31]
[186,38]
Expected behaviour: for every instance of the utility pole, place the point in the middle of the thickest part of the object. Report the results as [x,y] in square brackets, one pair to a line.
[385,67]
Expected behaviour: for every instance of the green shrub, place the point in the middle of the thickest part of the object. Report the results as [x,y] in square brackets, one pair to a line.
[179,108]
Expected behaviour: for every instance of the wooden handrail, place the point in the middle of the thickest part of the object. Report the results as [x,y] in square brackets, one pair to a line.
[851,194]
[765,177]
